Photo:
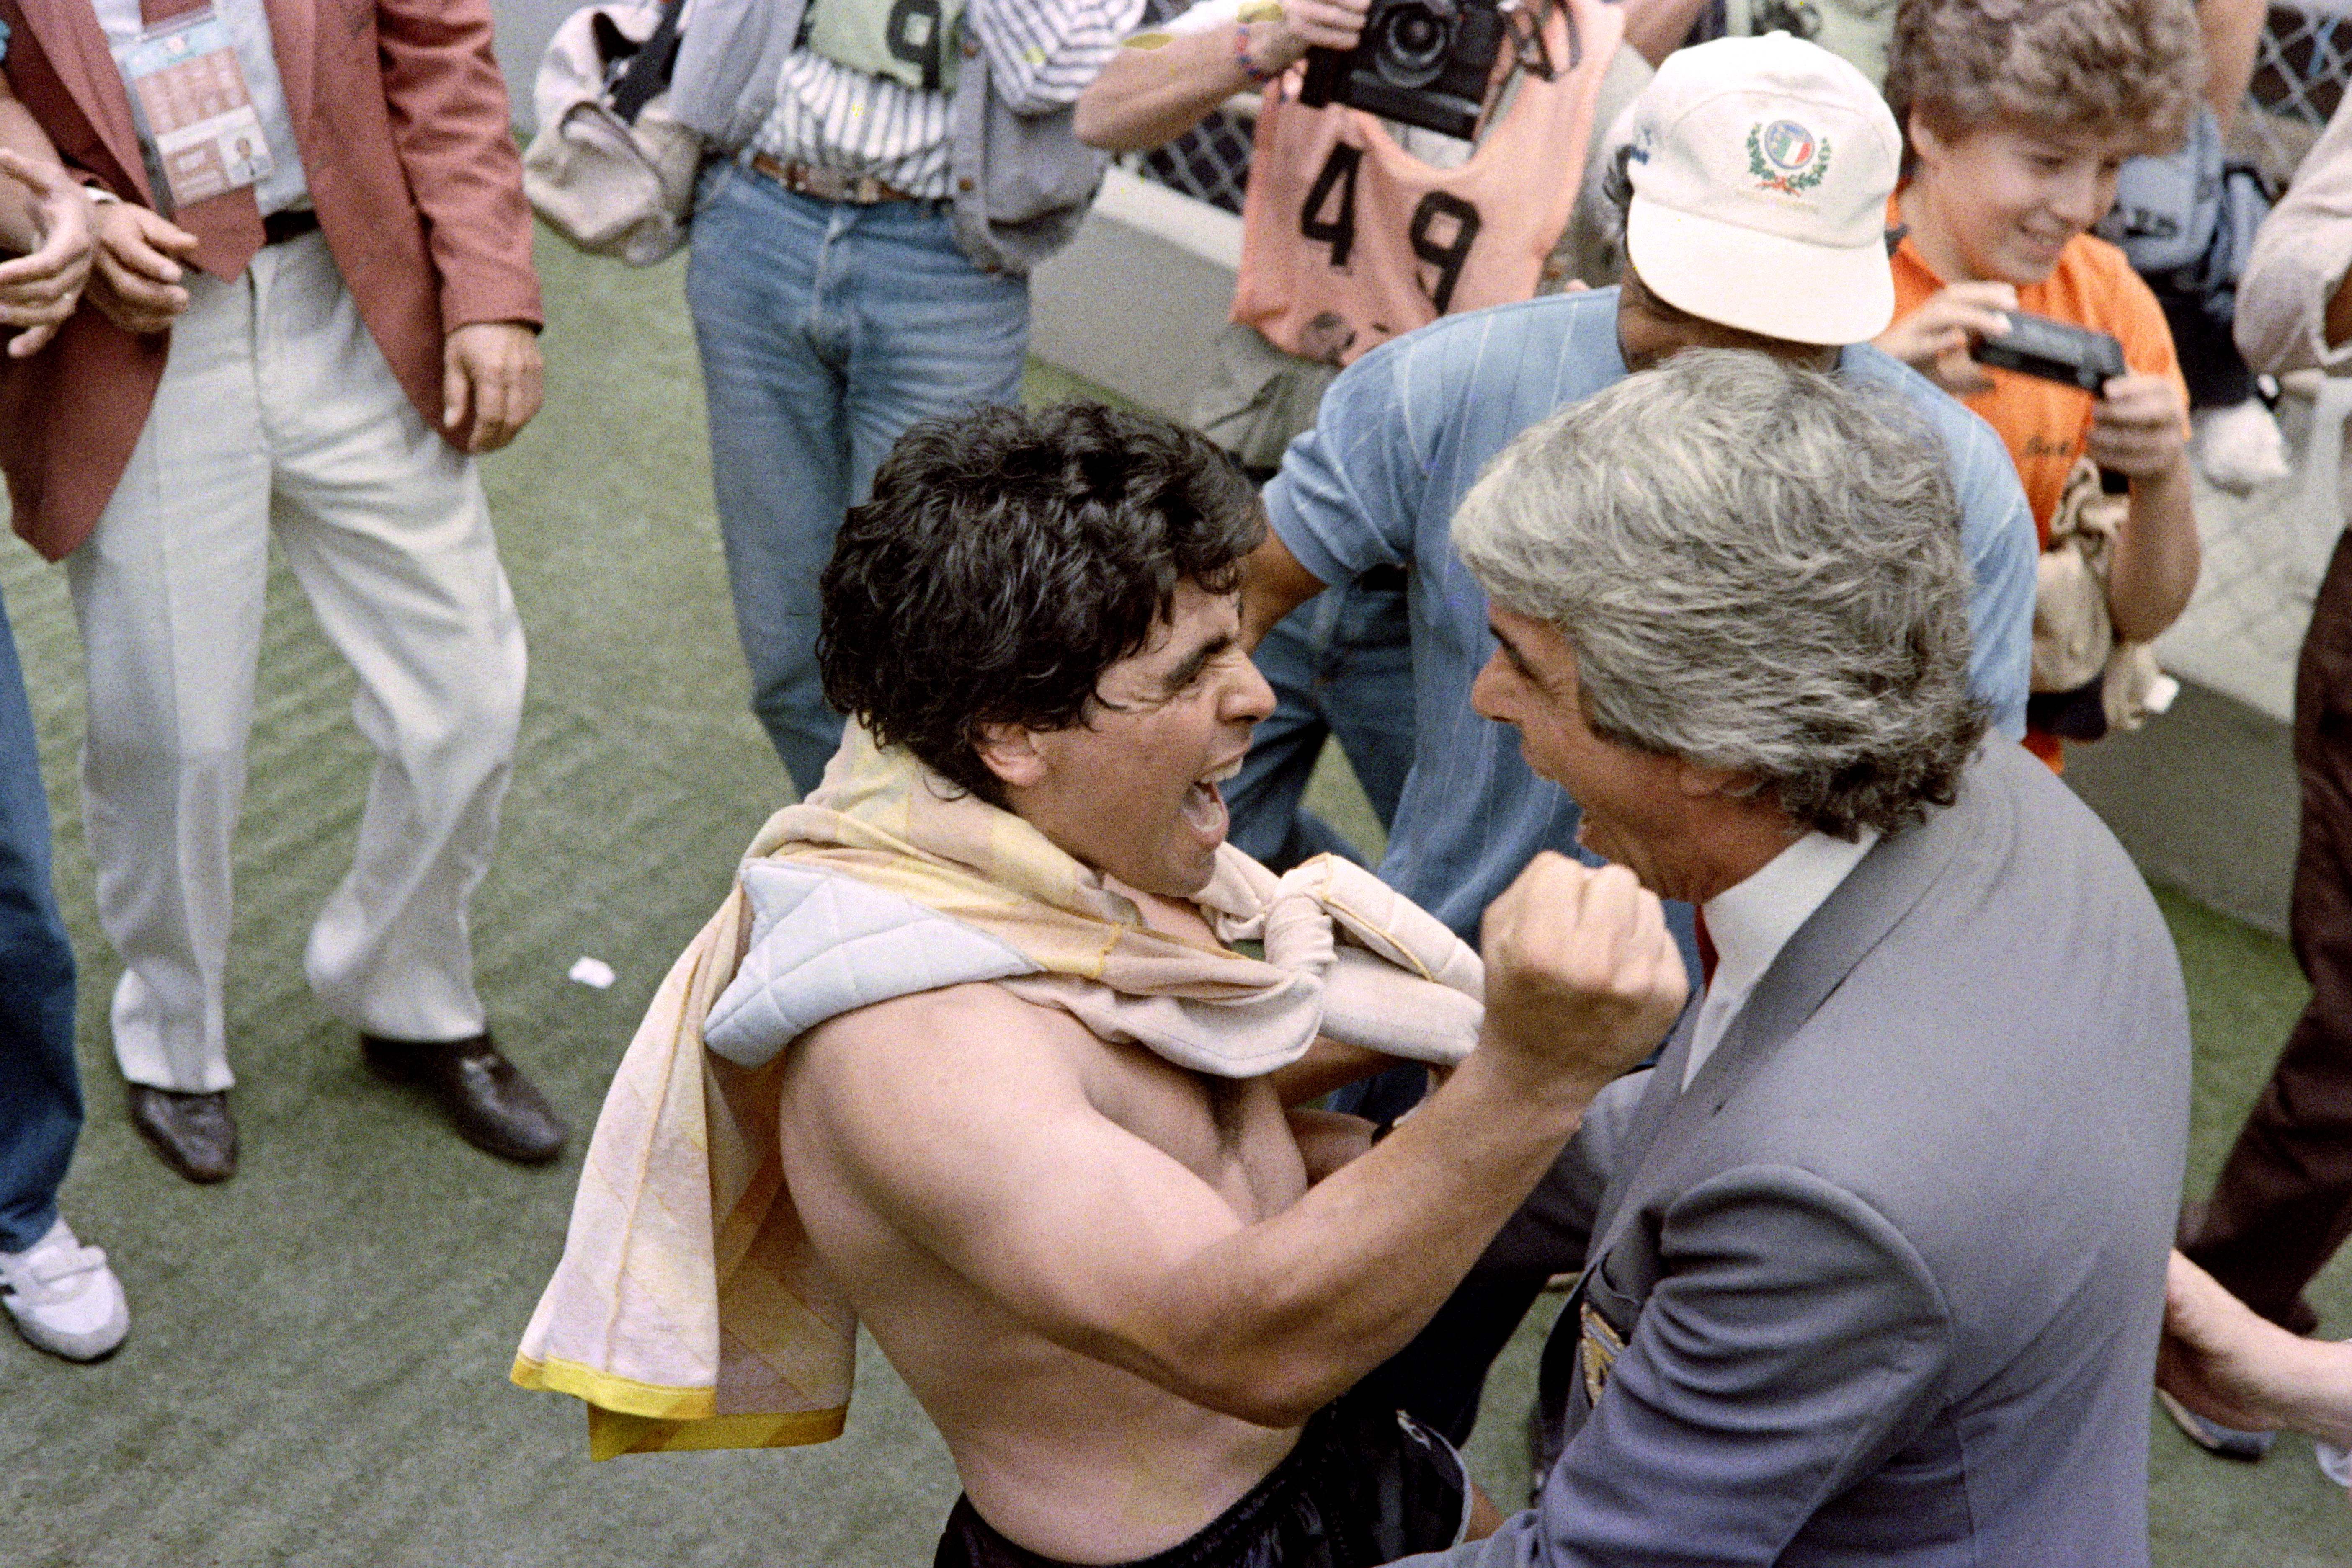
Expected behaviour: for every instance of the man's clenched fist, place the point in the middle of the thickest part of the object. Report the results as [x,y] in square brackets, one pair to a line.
[1582,979]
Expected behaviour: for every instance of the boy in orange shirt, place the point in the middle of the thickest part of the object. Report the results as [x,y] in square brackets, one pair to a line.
[2018,114]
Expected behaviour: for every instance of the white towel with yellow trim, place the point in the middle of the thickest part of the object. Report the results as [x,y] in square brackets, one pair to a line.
[689,1309]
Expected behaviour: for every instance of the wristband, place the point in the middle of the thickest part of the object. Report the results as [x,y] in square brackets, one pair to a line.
[1241,56]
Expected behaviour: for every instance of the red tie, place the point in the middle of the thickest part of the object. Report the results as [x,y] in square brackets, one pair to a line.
[227,226]
[1706,948]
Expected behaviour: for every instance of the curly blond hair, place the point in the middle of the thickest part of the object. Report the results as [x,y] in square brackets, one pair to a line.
[1964,64]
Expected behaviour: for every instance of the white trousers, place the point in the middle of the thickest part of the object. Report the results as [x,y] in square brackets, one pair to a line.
[278,416]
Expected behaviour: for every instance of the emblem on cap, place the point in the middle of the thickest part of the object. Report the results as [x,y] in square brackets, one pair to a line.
[1786,157]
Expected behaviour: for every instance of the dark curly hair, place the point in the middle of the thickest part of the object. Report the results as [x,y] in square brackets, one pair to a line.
[1007,559]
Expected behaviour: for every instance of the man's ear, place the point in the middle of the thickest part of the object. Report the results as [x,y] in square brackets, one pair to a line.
[1011,752]
[1926,145]
[1697,781]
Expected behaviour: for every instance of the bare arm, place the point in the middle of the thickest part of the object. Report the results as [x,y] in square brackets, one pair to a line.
[1273,585]
[2233,32]
[2229,1366]
[2137,431]
[1144,97]
[990,1155]
[1657,28]
[1328,1065]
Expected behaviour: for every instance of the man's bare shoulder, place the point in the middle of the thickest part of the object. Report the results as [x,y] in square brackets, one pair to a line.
[982,1018]
[910,1061]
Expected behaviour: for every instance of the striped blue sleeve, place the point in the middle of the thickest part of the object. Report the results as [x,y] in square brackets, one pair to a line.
[1043,53]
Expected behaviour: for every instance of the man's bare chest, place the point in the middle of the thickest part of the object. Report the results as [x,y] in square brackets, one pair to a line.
[1230,1132]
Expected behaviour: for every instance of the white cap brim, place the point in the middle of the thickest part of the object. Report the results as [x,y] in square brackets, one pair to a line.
[1792,289]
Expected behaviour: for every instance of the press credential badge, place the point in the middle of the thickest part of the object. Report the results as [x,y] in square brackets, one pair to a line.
[196,122]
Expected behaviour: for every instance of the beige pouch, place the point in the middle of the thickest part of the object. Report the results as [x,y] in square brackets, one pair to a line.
[2074,637]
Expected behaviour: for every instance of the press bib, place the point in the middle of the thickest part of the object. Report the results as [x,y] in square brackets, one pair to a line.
[192,112]
[914,42]
[1347,241]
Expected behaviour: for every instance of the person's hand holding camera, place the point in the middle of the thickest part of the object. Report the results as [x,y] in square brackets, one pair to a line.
[2138,427]
[1305,25]
[1934,340]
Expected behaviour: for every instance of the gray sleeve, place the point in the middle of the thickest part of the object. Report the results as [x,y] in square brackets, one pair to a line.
[1795,1340]
[2299,257]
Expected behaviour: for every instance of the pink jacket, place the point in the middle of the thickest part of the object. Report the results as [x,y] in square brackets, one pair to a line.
[401,114]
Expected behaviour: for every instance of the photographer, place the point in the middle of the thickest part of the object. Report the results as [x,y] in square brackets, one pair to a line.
[2018,117]
[1356,228]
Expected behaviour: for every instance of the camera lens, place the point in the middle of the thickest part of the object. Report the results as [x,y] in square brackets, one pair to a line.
[1412,40]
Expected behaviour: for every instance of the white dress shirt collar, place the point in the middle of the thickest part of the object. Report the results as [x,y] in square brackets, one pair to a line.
[1752,921]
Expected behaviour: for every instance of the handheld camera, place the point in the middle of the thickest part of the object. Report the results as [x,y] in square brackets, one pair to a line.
[1425,62]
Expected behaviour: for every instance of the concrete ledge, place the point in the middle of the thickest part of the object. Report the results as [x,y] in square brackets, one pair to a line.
[1134,301]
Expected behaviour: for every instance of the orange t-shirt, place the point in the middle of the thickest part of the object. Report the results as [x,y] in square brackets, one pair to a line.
[2044,425]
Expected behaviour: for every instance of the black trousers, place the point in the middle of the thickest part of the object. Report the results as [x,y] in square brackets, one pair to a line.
[2283,1204]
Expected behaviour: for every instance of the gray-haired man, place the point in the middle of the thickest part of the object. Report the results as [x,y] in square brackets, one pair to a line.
[1875,1253]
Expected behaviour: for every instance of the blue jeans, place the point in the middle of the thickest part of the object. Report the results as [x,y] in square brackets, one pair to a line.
[827,328]
[1340,663]
[40,1090]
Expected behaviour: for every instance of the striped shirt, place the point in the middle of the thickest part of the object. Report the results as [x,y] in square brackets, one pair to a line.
[1041,55]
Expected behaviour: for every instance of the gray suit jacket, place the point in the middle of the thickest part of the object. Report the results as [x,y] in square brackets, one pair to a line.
[1887,1277]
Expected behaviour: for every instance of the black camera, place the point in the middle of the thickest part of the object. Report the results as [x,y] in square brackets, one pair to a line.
[2059,352]
[1425,62]
[2053,350]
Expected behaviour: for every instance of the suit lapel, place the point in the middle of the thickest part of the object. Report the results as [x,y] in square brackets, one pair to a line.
[293,26]
[78,51]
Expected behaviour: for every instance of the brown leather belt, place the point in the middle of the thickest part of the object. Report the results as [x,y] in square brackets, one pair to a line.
[828,185]
[277,228]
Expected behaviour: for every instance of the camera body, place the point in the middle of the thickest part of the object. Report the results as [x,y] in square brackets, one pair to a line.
[1425,62]
[2062,353]
[2053,350]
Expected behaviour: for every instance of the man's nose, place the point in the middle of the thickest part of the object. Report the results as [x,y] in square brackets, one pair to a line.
[1482,690]
[1249,698]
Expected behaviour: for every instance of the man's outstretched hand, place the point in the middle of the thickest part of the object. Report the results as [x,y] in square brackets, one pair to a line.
[40,289]
[1582,978]
[2211,1357]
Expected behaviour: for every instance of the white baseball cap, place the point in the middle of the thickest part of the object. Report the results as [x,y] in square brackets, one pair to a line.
[1760,170]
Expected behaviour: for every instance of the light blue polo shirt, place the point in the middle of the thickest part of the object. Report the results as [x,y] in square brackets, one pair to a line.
[1403,434]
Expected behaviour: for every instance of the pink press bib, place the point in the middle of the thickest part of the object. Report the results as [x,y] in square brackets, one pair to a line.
[1348,240]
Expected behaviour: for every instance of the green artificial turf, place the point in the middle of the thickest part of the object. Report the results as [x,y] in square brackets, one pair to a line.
[316,1372]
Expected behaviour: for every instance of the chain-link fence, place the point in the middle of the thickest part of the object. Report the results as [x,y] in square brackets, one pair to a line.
[1208,163]
[2299,76]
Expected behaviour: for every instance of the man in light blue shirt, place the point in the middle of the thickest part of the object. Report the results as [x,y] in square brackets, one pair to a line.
[1755,185]
[1406,430]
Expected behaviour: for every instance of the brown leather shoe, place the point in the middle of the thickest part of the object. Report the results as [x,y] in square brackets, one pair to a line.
[487,1100]
[193,1133]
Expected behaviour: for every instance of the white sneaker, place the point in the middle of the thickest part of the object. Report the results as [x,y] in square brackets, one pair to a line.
[65,1299]
[2240,447]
